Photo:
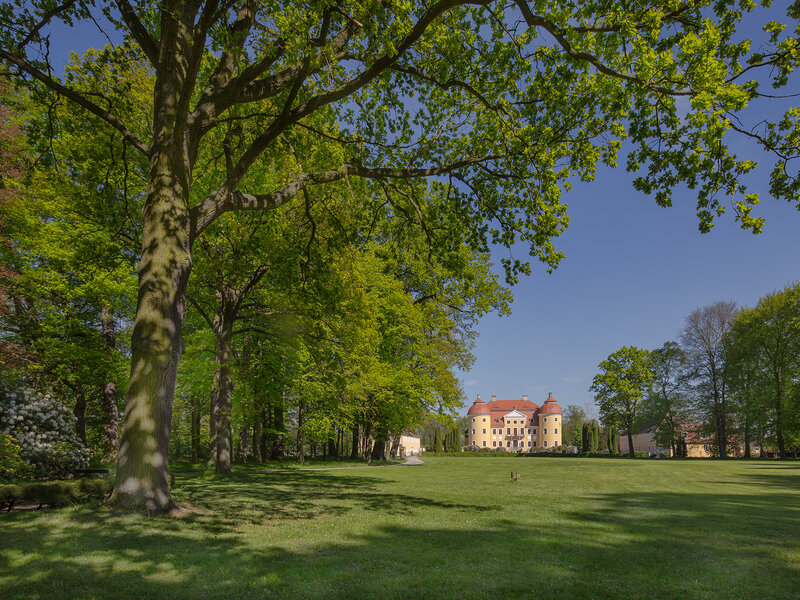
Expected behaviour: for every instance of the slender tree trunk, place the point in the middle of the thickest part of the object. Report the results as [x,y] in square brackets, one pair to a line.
[258,433]
[779,438]
[278,447]
[195,429]
[213,419]
[265,416]
[79,411]
[631,453]
[223,383]
[354,445]
[244,443]
[110,410]
[300,437]
[719,402]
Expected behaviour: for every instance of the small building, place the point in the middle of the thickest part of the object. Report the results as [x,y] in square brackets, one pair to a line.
[514,425]
[693,444]
[409,445]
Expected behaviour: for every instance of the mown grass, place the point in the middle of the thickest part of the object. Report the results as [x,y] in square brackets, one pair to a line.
[452,528]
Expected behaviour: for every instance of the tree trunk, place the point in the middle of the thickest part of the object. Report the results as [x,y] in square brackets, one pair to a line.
[79,411]
[110,410]
[379,447]
[195,429]
[354,447]
[213,418]
[278,449]
[223,383]
[258,433]
[631,453]
[142,481]
[332,448]
[265,417]
[300,437]
[719,402]
[779,438]
[244,443]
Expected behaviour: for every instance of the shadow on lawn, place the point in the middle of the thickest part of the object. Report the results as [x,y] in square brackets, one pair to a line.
[639,545]
[262,497]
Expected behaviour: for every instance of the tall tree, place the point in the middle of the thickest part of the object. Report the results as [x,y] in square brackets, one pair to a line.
[619,388]
[704,339]
[571,428]
[772,330]
[666,404]
[508,115]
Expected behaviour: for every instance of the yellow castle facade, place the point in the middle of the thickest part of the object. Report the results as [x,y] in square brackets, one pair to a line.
[514,425]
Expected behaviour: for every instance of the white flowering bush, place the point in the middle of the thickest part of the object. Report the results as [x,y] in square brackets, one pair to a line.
[43,428]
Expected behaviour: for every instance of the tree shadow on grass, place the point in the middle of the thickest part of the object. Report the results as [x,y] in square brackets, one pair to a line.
[615,545]
[259,498]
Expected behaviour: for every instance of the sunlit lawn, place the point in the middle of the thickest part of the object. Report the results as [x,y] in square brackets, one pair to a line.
[452,528]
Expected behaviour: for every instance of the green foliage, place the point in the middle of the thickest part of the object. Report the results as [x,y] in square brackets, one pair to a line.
[11,465]
[763,364]
[619,388]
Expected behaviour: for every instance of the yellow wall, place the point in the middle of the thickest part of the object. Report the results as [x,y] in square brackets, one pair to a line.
[512,436]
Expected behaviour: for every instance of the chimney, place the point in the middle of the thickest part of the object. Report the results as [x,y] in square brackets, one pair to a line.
[494,397]
[524,397]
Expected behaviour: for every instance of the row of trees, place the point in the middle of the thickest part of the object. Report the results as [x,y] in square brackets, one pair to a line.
[733,377]
[349,335]
[460,122]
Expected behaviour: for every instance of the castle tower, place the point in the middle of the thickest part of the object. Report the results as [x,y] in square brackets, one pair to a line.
[479,426]
[550,424]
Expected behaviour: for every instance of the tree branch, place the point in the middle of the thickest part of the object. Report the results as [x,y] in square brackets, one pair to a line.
[149,46]
[78,99]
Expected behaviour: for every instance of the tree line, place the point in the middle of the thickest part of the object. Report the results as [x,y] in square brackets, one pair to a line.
[732,378]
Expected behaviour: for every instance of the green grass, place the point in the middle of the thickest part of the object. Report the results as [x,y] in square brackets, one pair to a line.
[452,528]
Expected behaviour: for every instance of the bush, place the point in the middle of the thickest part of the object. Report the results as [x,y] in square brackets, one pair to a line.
[55,493]
[43,428]
[11,465]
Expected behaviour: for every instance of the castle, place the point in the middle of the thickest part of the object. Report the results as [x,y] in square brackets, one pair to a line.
[514,425]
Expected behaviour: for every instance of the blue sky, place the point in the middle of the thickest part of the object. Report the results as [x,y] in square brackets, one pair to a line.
[632,272]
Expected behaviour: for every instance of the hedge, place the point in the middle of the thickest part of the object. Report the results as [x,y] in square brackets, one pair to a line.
[54,493]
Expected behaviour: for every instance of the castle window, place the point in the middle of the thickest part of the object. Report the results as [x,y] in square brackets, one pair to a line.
[484,431]
[508,431]
[529,444]
[554,430]
[515,431]
[494,444]
[555,419]
[473,431]
[545,443]
[545,419]
[555,443]
[473,419]
[508,444]
[543,432]
[484,444]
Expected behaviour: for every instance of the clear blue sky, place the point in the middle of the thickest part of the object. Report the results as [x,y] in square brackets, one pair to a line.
[632,272]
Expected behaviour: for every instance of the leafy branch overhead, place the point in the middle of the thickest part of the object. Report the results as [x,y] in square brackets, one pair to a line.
[505,102]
